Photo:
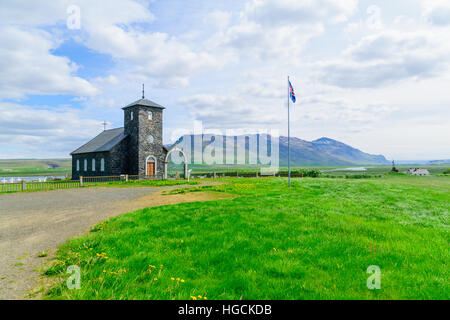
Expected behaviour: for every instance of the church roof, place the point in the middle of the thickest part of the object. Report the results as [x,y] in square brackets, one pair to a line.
[145,103]
[105,141]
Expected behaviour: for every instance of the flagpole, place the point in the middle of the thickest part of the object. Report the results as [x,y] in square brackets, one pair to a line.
[289,135]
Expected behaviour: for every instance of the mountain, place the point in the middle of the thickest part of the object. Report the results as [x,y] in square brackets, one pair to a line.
[439,162]
[325,152]
[320,152]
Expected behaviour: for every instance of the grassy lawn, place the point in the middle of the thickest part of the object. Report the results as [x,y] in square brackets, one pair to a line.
[146,183]
[315,241]
[26,168]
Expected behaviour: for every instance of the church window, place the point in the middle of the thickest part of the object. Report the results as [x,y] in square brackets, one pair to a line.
[102,165]
[150,115]
[150,139]
[78,165]
[93,164]
[85,164]
[131,115]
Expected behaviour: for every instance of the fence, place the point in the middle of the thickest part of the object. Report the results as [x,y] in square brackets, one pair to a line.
[68,184]
[89,181]
[38,186]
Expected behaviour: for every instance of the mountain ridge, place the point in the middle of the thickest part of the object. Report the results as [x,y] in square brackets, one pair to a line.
[320,152]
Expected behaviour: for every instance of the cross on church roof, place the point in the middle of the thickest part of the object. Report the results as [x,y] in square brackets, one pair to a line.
[143,91]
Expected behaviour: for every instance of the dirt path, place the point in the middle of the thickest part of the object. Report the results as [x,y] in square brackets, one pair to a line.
[31,223]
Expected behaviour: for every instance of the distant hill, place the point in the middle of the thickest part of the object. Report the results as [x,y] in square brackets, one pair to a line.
[439,162]
[325,152]
[321,152]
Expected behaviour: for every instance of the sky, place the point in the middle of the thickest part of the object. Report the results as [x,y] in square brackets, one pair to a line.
[372,74]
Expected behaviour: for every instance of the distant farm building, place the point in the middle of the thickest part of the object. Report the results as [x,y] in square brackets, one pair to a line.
[418,172]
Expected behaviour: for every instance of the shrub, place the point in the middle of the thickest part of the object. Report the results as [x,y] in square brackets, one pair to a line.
[447,171]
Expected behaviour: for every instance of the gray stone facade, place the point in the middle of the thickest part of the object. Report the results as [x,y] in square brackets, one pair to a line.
[145,138]
[126,151]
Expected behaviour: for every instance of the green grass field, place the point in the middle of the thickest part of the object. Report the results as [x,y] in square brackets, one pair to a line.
[314,241]
[62,167]
[22,168]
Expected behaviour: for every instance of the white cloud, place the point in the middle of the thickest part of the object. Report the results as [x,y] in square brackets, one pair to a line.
[357,73]
[386,58]
[33,131]
[218,19]
[28,67]
[109,27]
[292,12]
[157,55]
[275,29]
[437,12]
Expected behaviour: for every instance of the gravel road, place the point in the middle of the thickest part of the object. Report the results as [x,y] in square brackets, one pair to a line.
[31,223]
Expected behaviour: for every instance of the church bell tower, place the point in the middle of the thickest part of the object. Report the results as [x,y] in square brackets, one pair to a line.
[143,121]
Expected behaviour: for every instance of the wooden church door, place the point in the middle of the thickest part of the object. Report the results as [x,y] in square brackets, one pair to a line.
[150,168]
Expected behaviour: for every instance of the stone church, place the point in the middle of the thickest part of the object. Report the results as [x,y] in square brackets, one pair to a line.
[135,149]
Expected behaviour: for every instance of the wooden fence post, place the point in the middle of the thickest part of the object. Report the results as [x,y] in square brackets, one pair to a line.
[215,176]
[24,185]
[126,178]
[81,181]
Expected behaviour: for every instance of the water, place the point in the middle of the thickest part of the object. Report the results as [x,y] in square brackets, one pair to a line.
[29,179]
[347,169]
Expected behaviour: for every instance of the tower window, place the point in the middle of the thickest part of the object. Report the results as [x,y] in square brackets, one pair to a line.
[150,139]
[131,115]
[150,115]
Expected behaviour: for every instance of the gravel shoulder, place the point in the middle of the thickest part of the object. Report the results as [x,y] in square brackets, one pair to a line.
[32,223]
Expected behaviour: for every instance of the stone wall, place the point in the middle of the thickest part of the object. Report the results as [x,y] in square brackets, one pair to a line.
[89,172]
[118,159]
[140,148]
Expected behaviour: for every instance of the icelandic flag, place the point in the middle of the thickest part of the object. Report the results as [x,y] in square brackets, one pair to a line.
[292,93]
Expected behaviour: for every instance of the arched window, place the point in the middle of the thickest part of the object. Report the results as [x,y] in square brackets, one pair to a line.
[93,164]
[150,139]
[102,165]
[78,165]
[85,164]
[150,115]
[131,115]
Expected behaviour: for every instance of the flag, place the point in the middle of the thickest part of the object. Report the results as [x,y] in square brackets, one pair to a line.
[292,93]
